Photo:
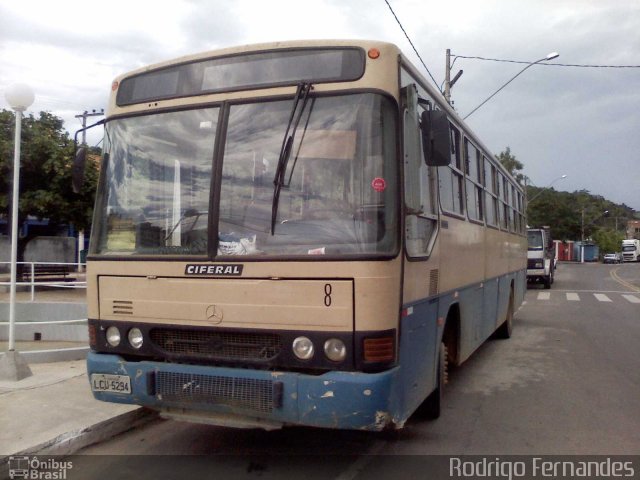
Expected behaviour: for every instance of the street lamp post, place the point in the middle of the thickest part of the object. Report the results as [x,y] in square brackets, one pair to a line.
[12,365]
[582,231]
[545,188]
[551,56]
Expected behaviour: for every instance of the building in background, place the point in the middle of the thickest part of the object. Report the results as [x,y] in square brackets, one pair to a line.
[633,229]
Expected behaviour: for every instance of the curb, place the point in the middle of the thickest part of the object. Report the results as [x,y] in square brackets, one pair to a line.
[70,442]
[49,356]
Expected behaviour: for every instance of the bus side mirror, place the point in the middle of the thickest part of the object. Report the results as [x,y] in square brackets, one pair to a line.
[77,171]
[436,138]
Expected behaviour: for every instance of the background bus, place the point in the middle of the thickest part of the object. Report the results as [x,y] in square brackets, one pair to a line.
[295,233]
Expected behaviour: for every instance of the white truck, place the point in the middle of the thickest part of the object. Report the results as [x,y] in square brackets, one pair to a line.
[631,250]
[541,261]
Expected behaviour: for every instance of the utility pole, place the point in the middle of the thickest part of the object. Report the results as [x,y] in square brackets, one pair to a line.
[582,238]
[84,117]
[448,83]
[447,77]
[606,212]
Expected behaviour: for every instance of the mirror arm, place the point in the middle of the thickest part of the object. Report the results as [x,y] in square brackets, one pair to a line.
[79,159]
[75,136]
[425,103]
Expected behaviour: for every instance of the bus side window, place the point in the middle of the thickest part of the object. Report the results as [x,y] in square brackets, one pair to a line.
[451,178]
[474,181]
[490,193]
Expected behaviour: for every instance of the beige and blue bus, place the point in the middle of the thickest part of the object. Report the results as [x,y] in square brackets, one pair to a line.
[296,233]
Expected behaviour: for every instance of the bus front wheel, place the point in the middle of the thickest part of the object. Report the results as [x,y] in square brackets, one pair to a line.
[432,406]
[504,331]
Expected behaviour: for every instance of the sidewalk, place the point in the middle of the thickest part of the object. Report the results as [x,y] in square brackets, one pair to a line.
[52,327]
[54,412]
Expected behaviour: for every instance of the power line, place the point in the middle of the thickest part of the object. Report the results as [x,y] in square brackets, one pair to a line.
[547,64]
[412,45]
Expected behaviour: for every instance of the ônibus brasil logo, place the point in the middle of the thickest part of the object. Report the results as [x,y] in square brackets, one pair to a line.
[36,469]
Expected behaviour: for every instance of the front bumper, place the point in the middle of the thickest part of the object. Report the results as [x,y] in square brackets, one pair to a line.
[535,274]
[244,397]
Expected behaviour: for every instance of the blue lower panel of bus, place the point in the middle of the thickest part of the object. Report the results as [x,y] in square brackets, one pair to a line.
[345,400]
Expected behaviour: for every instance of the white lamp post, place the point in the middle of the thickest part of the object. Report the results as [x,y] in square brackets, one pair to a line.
[551,56]
[13,367]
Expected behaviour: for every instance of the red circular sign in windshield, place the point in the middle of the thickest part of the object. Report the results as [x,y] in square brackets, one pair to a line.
[379,184]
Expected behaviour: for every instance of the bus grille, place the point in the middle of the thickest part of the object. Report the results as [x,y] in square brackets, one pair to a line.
[215,345]
[248,393]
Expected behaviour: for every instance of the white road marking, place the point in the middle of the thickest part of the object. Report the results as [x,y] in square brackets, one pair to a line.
[632,298]
[601,297]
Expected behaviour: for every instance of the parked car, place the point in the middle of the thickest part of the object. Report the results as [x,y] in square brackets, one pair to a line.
[612,258]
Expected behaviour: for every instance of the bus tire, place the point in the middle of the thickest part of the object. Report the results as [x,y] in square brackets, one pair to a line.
[505,330]
[432,406]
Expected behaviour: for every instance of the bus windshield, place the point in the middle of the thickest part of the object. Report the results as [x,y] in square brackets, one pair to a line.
[164,191]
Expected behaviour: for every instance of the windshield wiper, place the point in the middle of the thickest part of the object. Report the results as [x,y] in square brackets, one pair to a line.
[302,95]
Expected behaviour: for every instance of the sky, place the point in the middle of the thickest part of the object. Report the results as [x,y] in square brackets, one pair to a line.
[557,120]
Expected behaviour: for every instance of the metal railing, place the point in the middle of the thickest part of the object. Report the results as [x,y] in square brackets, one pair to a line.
[74,269]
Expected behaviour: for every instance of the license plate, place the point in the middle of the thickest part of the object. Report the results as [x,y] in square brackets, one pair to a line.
[110,383]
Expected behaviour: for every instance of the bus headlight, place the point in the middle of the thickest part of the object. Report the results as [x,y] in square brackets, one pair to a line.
[335,349]
[303,348]
[135,338]
[113,336]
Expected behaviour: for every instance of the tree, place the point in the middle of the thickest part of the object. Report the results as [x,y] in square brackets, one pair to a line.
[608,240]
[45,174]
[563,212]
[511,163]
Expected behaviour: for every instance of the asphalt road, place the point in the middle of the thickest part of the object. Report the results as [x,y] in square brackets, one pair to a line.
[567,382]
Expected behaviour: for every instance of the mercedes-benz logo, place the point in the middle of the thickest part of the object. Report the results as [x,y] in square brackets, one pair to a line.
[214,314]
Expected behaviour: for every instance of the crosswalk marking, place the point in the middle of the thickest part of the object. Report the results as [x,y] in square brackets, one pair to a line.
[602,297]
[631,298]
